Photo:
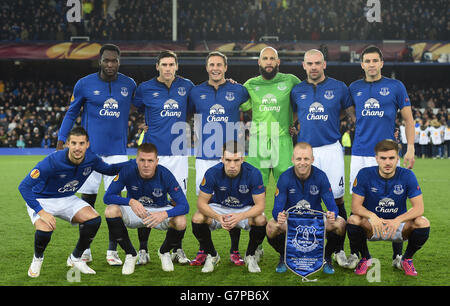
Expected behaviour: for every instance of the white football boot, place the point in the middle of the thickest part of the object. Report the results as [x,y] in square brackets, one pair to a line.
[112,258]
[180,257]
[210,262]
[252,264]
[166,261]
[79,264]
[128,266]
[35,267]
[143,258]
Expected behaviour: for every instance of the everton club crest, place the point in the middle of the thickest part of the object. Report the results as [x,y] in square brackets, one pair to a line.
[305,241]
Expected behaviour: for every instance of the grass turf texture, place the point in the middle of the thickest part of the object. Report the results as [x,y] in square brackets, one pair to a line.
[17,240]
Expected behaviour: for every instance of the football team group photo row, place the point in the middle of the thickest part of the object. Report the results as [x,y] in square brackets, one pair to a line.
[292,133]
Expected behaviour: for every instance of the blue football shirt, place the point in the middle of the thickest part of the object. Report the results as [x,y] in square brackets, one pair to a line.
[165,114]
[56,176]
[386,197]
[150,192]
[291,191]
[217,114]
[106,108]
[376,105]
[234,192]
[318,108]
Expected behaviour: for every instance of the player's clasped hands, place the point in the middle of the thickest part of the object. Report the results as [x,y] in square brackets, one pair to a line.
[384,228]
[229,221]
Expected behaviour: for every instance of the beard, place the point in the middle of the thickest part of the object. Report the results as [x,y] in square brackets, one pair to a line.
[268,75]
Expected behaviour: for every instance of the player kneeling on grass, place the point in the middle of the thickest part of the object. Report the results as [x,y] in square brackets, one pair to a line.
[308,184]
[147,205]
[379,210]
[49,191]
[231,196]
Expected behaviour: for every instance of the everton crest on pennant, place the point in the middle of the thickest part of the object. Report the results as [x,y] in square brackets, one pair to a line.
[305,241]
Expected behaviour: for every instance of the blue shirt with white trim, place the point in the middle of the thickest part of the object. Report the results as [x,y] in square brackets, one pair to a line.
[150,192]
[165,114]
[376,105]
[106,108]
[386,197]
[219,112]
[56,176]
[234,192]
[291,191]
[318,109]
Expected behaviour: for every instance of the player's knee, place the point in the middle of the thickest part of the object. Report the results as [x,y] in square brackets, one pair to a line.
[42,226]
[421,222]
[340,226]
[260,220]
[272,229]
[113,211]
[198,217]
[179,222]
[354,219]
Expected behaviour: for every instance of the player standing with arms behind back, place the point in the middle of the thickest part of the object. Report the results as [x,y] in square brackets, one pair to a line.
[270,147]
[164,100]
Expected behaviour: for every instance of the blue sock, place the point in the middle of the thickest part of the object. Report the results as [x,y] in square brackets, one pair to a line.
[416,240]
[41,240]
[88,230]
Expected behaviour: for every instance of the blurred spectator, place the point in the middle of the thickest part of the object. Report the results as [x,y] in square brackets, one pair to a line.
[226,20]
[20,143]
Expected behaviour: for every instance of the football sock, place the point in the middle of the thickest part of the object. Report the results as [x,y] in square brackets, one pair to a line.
[341,239]
[202,232]
[173,237]
[235,235]
[277,243]
[256,237]
[397,249]
[88,230]
[358,240]
[416,240]
[143,235]
[41,240]
[89,198]
[119,233]
[330,247]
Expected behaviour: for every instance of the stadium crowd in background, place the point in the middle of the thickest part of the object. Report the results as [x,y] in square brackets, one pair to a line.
[244,20]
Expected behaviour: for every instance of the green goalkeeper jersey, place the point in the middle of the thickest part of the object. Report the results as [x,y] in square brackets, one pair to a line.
[270,104]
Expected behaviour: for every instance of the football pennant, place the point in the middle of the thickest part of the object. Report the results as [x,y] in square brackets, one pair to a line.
[305,241]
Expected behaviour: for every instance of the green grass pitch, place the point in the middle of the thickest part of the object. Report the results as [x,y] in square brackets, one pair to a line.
[17,238]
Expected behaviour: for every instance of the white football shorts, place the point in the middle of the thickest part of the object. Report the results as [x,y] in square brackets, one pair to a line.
[132,221]
[201,165]
[179,166]
[330,159]
[398,237]
[223,210]
[94,180]
[65,208]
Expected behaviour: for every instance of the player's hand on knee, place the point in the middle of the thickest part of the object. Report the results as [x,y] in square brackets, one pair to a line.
[377,225]
[138,208]
[48,219]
